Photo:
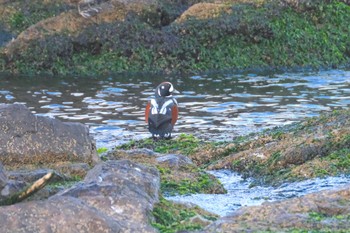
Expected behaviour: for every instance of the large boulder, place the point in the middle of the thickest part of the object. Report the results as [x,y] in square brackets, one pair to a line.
[123,190]
[61,214]
[116,196]
[318,211]
[29,139]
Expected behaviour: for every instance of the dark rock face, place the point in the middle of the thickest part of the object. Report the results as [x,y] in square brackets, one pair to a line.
[115,196]
[331,207]
[8,186]
[3,177]
[27,138]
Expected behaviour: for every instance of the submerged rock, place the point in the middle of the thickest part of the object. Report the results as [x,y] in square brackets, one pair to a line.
[29,139]
[116,196]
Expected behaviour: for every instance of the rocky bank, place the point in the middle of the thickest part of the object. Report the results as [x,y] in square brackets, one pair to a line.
[124,192]
[56,37]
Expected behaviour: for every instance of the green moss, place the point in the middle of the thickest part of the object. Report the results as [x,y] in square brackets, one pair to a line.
[185,144]
[65,183]
[170,217]
[202,183]
[339,161]
[102,150]
[25,14]
[317,216]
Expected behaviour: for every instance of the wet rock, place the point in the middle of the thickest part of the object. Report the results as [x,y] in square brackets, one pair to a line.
[30,139]
[317,211]
[315,147]
[115,196]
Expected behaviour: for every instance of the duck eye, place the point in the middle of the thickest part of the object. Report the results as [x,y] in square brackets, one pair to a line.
[163,87]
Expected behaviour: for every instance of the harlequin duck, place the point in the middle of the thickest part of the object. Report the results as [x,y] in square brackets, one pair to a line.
[162,111]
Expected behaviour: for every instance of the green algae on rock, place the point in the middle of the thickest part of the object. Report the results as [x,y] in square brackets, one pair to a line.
[172,217]
[179,175]
[316,147]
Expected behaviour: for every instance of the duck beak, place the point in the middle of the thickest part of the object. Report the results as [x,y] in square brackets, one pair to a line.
[176,91]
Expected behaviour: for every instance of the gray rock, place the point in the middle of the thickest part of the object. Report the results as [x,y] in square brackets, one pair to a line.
[175,160]
[3,177]
[123,190]
[60,214]
[30,176]
[115,196]
[27,138]
[11,188]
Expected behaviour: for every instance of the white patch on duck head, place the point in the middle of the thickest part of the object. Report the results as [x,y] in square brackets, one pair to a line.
[171,89]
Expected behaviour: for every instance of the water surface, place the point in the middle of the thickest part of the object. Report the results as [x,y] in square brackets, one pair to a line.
[216,106]
[239,192]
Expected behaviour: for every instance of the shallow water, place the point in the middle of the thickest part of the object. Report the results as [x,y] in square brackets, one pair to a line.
[216,106]
[240,194]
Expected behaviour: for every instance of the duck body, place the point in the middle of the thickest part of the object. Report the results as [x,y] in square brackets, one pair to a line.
[162,111]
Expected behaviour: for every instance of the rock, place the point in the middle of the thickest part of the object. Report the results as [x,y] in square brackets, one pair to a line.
[204,11]
[60,214]
[115,196]
[30,139]
[30,176]
[123,190]
[3,177]
[11,188]
[72,22]
[295,213]
[174,160]
[4,36]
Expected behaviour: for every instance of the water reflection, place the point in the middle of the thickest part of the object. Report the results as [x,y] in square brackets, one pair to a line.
[216,106]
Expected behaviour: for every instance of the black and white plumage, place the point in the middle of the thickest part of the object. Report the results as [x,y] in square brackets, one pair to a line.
[162,111]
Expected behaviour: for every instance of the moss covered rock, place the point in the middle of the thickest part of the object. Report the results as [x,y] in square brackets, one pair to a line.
[173,36]
[316,147]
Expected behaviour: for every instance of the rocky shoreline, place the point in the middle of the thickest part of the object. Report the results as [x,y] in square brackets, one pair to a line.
[55,37]
[121,191]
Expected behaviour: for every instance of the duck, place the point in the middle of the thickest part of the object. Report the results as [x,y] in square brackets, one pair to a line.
[161,112]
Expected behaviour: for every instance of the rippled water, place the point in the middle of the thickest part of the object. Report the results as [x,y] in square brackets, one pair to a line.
[216,106]
[240,194]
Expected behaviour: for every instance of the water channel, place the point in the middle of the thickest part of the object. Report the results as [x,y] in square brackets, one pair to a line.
[217,106]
